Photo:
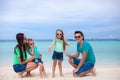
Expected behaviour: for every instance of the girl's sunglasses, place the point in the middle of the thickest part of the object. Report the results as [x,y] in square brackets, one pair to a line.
[31,43]
[59,34]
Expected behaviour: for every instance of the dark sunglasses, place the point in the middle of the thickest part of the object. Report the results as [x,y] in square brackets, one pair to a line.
[59,34]
[77,37]
[31,43]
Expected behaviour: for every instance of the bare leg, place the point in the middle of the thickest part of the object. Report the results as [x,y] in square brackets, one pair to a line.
[20,74]
[53,67]
[28,74]
[81,74]
[60,67]
[30,66]
[40,69]
[93,71]
[84,73]
[43,70]
[71,62]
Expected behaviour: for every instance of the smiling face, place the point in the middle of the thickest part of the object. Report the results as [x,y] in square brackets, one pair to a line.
[78,37]
[59,34]
[31,44]
[24,39]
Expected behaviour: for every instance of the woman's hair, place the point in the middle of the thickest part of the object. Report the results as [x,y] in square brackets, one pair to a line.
[62,38]
[76,32]
[20,45]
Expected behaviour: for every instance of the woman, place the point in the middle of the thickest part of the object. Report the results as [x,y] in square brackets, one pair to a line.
[86,63]
[21,63]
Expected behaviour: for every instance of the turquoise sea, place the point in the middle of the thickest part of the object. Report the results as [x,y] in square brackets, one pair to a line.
[107,52]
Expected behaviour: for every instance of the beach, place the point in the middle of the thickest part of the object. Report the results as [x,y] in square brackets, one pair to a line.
[107,61]
[103,73]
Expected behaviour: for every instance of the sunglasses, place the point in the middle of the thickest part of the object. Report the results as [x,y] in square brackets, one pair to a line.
[31,43]
[59,34]
[76,37]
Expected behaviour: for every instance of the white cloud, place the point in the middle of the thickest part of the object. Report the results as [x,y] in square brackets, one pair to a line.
[40,10]
[66,13]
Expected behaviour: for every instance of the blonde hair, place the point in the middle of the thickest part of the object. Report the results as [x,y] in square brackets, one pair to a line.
[28,41]
[62,38]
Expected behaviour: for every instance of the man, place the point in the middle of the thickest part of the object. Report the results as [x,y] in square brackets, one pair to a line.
[86,63]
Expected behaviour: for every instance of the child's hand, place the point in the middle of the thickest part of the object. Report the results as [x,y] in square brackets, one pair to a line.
[33,56]
[75,70]
[49,49]
[40,55]
[69,55]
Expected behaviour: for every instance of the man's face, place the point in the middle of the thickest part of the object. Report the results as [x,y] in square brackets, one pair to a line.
[78,37]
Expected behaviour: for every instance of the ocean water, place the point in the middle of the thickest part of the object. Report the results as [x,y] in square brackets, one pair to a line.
[106,52]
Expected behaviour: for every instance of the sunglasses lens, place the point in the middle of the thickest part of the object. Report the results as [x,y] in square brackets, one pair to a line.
[59,34]
[77,37]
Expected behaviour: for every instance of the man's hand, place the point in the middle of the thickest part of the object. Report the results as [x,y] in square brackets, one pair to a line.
[75,70]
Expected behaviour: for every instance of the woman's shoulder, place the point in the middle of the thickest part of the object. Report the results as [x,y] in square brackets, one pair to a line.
[17,48]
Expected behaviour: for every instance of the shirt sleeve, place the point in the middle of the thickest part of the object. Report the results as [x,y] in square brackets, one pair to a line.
[17,51]
[29,50]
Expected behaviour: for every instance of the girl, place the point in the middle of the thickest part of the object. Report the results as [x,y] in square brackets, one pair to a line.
[59,44]
[21,63]
[34,52]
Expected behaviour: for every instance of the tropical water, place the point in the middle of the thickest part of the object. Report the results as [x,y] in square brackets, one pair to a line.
[106,52]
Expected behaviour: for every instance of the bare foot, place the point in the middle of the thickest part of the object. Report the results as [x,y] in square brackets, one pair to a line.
[74,75]
[93,71]
[45,76]
[20,75]
[28,75]
[41,75]
[53,76]
[61,75]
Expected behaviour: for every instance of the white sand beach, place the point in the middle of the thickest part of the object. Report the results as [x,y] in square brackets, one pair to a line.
[107,73]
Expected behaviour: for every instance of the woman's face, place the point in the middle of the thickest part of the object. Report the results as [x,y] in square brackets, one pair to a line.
[59,34]
[24,39]
[78,37]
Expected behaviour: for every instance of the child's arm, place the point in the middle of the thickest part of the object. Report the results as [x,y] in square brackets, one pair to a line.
[41,56]
[51,46]
[32,52]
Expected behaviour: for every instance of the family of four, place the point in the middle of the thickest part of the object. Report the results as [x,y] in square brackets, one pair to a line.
[81,66]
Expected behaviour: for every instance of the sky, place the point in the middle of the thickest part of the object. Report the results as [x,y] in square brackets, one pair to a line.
[39,19]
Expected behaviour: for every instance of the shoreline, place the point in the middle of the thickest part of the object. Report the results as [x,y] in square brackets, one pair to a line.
[103,73]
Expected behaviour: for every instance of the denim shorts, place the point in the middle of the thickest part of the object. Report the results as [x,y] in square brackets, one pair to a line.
[19,67]
[37,60]
[57,56]
[84,67]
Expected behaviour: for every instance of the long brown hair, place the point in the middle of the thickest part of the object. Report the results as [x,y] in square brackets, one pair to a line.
[62,38]
[20,45]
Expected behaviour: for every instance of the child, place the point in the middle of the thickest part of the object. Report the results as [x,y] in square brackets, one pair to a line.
[59,44]
[34,51]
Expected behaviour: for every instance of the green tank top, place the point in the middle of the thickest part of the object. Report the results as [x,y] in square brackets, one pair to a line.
[58,45]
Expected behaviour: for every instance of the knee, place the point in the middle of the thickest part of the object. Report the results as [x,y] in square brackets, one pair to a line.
[54,63]
[70,60]
[35,65]
[59,64]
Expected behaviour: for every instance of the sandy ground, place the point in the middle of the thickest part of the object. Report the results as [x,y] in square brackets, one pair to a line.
[107,73]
